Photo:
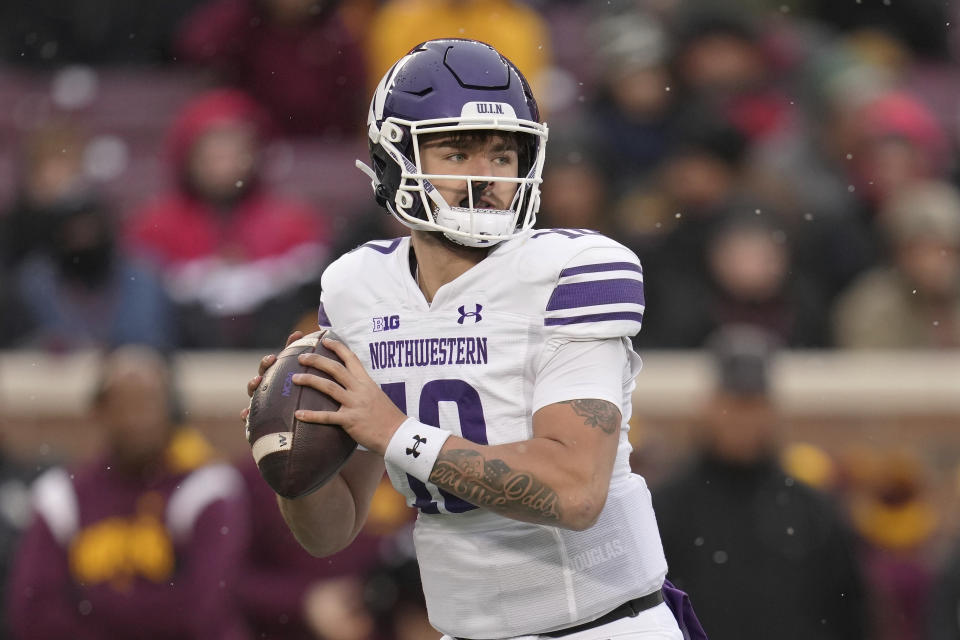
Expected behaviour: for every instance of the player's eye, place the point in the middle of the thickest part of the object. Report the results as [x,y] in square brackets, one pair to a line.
[455,157]
[505,157]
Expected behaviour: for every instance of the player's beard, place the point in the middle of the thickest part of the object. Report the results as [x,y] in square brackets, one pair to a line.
[458,248]
[439,238]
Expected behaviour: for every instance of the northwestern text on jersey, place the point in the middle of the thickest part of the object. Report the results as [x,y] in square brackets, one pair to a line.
[422,352]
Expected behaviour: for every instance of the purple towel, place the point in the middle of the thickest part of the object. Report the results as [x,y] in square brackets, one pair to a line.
[680,605]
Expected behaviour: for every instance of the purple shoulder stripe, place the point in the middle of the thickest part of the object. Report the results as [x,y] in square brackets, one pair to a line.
[385,250]
[595,317]
[595,292]
[603,266]
[322,319]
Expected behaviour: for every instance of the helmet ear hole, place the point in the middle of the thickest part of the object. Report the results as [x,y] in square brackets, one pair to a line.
[393,133]
[405,199]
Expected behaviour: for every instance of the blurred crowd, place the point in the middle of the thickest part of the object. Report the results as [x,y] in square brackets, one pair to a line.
[160,536]
[176,175]
[179,176]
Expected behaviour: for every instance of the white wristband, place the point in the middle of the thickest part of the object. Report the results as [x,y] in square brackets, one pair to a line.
[415,447]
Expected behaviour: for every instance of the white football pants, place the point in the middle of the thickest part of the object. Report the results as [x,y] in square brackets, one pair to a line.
[657,623]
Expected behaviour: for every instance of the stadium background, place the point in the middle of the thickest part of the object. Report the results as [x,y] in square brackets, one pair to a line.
[672,122]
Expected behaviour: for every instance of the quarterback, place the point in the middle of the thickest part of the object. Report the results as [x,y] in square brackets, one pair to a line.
[488,369]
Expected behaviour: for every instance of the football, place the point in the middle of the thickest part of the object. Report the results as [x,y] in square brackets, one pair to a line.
[295,457]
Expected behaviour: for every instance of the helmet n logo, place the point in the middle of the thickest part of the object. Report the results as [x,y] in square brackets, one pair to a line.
[464,314]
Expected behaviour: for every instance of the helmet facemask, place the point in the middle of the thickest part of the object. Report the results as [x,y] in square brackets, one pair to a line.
[461,88]
[473,220]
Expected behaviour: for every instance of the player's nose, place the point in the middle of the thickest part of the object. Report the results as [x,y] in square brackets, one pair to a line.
[481,165]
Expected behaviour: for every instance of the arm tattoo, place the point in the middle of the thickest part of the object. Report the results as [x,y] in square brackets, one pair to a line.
[493,485]
[597,413]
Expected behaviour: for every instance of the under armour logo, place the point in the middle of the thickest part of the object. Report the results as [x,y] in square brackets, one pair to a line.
[469,314]
[417,441]
[282,439]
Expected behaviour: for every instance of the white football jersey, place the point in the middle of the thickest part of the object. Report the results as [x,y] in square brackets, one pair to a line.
[469,362]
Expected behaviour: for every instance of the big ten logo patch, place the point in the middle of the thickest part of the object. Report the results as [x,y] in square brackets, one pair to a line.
[386,323]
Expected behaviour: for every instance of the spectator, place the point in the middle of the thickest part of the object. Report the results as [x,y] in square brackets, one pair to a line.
[923,24]
[394,594]
[634,113]
[867,142]
[294,56]
[808,172]
[83,292]
[720,63]
[14,321]
[902,142]
[749,279]
[577,194]
[514,29]
[698,180]
[50,33]
[895,520]
[914,300]
[943,622]
[335,609]
[286,593]
[764,556]
[15,479]
[146,537]
[233,254]
[50,181]
[670,219]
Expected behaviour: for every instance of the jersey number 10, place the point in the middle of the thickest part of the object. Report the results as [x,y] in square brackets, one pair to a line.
[472,427]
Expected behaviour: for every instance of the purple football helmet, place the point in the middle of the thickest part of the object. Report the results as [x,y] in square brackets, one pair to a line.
[453,85]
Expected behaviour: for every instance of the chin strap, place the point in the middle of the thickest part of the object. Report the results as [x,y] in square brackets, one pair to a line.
[379,191]
[374,181]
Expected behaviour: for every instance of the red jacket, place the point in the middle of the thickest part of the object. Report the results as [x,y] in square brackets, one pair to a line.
[228,260]
[178,226]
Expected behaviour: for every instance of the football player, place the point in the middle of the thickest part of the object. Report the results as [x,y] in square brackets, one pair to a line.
[488,366]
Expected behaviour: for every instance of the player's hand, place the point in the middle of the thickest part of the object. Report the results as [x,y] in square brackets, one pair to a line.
[266,362]
[366,412]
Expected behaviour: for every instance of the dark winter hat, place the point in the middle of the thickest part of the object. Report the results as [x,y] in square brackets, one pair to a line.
[742,355]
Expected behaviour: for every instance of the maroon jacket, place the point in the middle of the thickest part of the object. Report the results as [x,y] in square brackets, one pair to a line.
[114,556]
[310,76]
[276,571]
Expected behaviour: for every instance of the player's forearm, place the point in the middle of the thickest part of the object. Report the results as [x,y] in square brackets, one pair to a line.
[327,520]
[523,481]
[324,521]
